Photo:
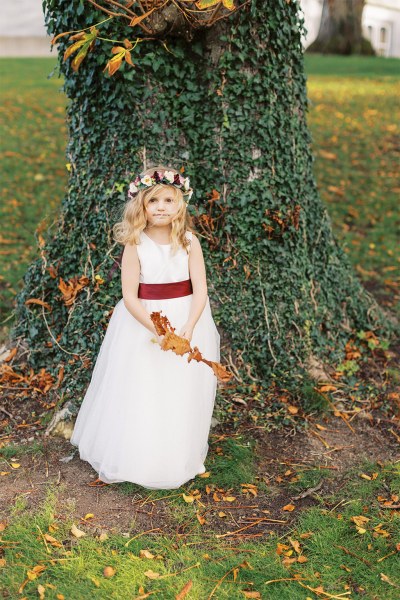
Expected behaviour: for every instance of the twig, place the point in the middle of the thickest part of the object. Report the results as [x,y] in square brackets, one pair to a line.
[222,579]
[248,527]
[266,313]
[364,560]
[140,534]
[308,492]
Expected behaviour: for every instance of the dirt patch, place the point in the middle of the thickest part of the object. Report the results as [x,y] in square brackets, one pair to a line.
[280,457]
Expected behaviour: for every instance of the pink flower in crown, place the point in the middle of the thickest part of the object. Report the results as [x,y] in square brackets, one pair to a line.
[132,188]
[169,176]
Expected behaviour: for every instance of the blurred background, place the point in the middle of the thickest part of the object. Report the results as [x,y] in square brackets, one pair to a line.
[353,118]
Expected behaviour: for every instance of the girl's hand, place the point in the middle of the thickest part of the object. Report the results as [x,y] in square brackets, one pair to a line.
[186,331]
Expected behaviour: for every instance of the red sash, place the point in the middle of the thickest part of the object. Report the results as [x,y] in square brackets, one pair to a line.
[162,291]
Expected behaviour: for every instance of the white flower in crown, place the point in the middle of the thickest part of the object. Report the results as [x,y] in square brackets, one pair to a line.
[186,184]
[132,188]
[169,176]
[147,180]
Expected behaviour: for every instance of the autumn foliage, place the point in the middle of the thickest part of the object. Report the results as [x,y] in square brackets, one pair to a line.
[181,346]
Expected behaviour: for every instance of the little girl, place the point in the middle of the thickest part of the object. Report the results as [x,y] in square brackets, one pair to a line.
[147,412]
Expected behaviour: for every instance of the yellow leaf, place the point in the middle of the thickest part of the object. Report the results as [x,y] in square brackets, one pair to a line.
[296,545]
[289,507]
[188,498]
[360,520]
[77,532]
[52,540]
[41,591]
[15,465]
[152,575]
[89,515]
[145,554]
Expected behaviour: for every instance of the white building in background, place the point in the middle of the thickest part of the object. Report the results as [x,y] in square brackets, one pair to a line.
[380,23]
[22,30]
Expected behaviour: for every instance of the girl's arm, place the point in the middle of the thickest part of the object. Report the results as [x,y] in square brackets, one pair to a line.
[197,271]
[130,271]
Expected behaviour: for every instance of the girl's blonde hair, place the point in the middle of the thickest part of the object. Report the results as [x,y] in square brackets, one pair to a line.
[128,230]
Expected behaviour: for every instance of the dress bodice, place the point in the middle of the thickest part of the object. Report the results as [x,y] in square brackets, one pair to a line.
[158,265]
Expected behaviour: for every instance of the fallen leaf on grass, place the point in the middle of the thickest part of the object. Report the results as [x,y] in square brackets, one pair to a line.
[200,518]
[146,554]
[109,571]
[52,541]
[302,558]
[186,588]
[151,574]
[387,580]
[296,545]
[31,575]
[289,507]
[41,591]
[77,532]
[360,521]
[249,488]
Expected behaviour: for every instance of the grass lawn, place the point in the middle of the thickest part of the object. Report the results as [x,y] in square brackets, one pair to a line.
[275,517]
[208,539]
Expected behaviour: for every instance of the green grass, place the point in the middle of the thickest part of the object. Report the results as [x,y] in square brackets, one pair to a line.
[353,66]
[75,569]
[14,451]
[34,175]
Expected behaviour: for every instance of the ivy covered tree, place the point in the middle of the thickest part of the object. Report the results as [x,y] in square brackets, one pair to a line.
[224,99]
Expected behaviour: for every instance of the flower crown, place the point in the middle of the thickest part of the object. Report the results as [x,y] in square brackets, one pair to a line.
[167,178]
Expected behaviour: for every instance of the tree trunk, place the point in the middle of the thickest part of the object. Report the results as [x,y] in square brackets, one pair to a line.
[340,30]
[231,108]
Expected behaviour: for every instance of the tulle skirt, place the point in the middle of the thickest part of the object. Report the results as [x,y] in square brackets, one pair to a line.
[146,414]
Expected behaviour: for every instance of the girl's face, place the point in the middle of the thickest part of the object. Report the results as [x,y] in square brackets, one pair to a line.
[161,209]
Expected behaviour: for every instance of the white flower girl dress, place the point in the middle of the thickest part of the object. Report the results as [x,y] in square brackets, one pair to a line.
[146,414]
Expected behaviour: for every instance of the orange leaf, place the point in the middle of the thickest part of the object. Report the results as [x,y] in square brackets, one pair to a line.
[37,301]
[138,19]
